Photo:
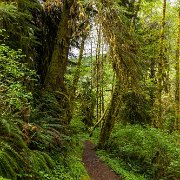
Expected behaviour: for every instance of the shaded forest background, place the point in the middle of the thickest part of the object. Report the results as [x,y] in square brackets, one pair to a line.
[104,70]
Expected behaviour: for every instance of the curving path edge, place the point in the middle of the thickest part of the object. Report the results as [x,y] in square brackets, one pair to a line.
[95,167]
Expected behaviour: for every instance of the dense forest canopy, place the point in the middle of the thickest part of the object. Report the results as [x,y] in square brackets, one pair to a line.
[101,70]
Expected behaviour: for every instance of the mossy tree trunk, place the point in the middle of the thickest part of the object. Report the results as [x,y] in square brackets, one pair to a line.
[98,51]
[123,62]
[54,80]
[160,74]
[110,118]
[78,69]
[177,90]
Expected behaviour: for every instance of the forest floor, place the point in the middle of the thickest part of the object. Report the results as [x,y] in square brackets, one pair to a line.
[95,167]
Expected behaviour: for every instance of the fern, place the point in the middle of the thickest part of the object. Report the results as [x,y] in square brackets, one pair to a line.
[39,162]
[7,10]
[54,125]
[8,164]
[49,161]
[11,133]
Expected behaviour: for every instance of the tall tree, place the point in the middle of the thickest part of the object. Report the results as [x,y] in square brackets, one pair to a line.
[122,53]
[177,91]
[160,74]
[55,76]
[78,69]
[54,80]
[98,50]
[110,118]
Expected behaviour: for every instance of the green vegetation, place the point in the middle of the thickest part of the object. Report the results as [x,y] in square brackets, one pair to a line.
[104,70]
[31,150]
[146,151]
[119,167]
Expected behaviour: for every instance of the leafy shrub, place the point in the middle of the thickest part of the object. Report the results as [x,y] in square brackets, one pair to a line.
[17,159]
[147,151]
[88,102]
[13,75]
[70,166]
[118,166]
[31,139]
[135,108]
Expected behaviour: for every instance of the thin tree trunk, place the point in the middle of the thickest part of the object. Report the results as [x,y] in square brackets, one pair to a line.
[97,88]
[91,65]
[78,69]
[177,91]
[113,83]
[98,73]
[136,10]
[159,122]
[109,121]
[102,80]
[97,123]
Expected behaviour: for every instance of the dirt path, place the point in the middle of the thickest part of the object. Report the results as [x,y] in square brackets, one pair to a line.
[95,167]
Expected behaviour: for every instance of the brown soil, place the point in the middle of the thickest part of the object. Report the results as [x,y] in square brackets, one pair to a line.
[95,167]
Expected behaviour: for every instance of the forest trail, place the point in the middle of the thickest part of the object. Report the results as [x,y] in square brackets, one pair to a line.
[95,167]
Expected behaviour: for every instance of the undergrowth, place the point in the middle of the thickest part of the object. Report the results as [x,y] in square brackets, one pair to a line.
[35,140]
[117,166]
[42,149]
[143,152]
[18,159]
[69,163]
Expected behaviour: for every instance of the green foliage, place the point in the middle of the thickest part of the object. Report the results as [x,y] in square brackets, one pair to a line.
[118,166]
[135,108]
[50,133]
[47,105]
[11,133]
[148,30]
[70,166]
[88,103]
[13,76]
[146,151]
[47,133]
[8,11]
[9,161]
[41,161]
[18,19]
[17,158]
[73,162]
[74,168]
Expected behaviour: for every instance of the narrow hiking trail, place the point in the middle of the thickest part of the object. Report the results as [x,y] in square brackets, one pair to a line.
[95,167]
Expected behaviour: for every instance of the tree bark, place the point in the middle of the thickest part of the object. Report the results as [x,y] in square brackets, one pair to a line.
[77,73]
[177,90]
[160,73]
[54,80]
[110,119]
[98,51]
